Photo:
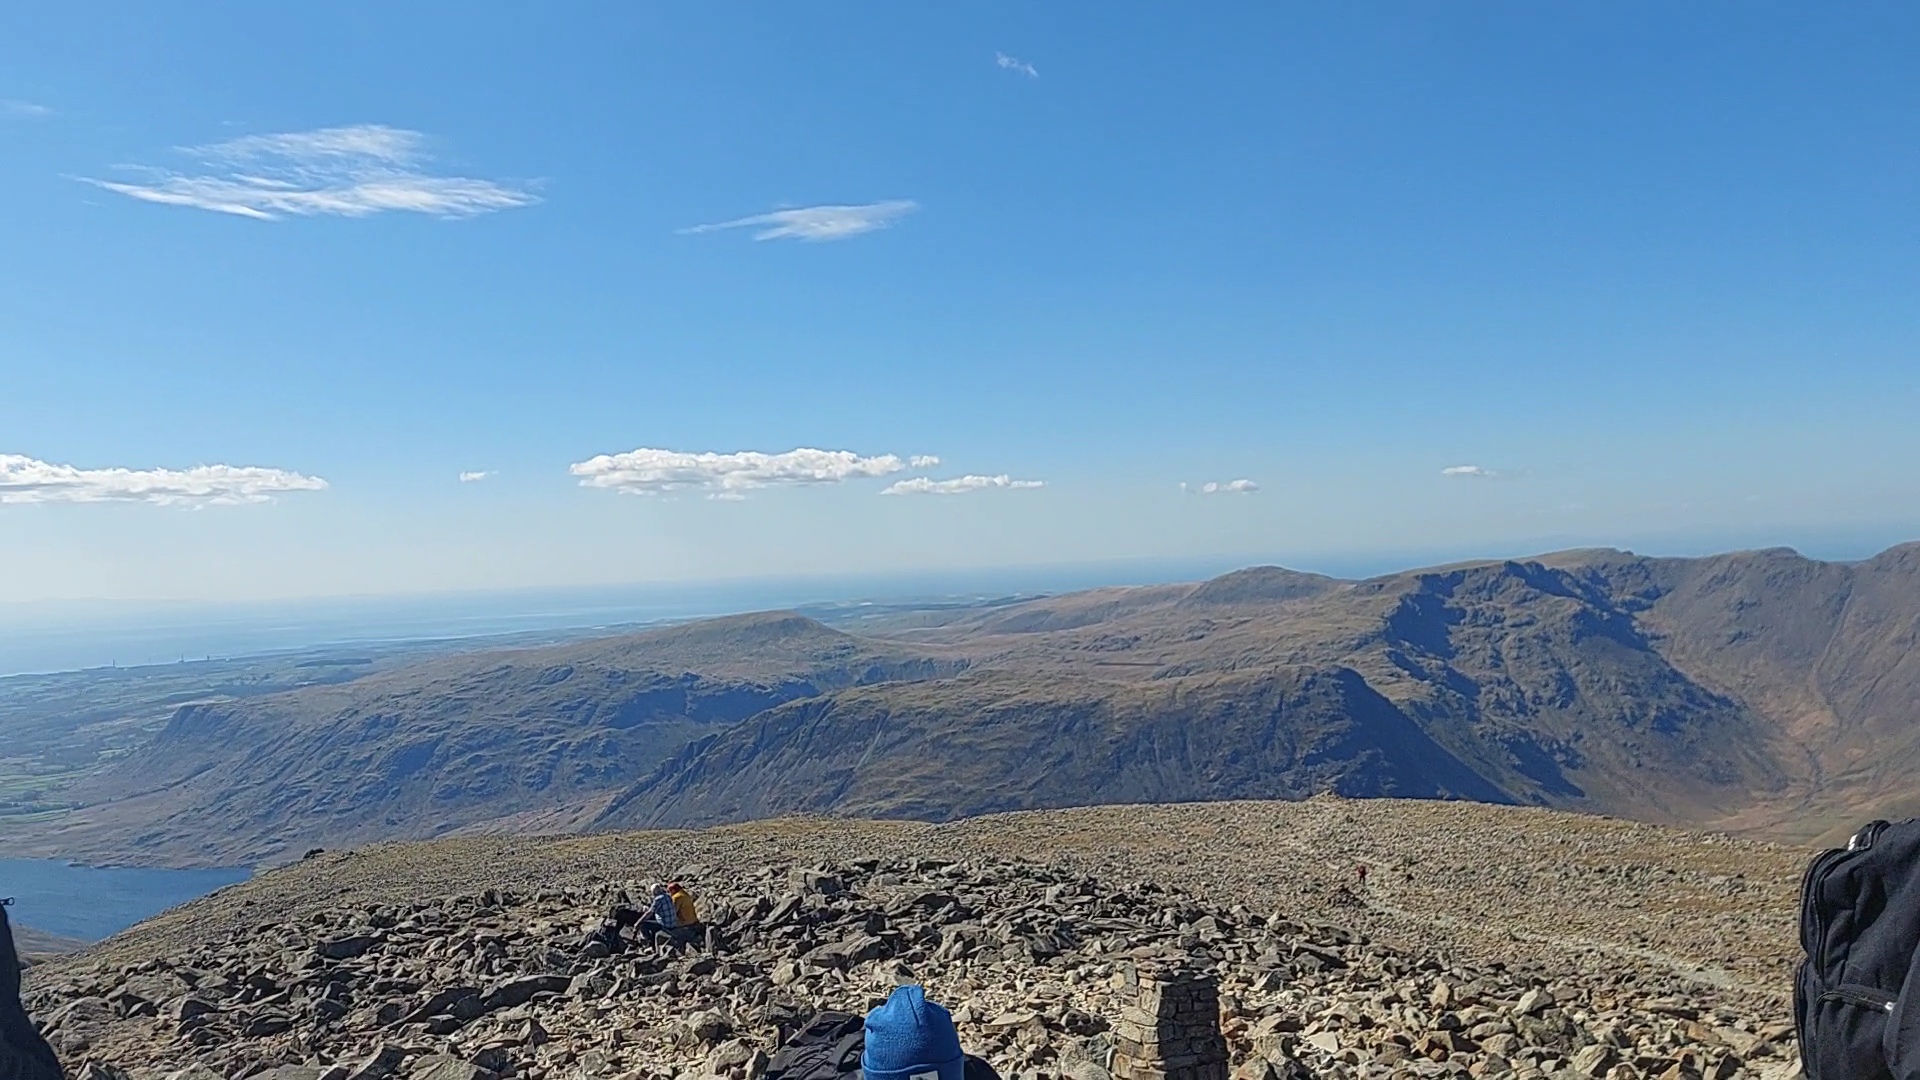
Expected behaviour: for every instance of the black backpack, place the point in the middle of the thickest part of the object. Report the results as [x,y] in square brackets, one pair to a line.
[1856,997]
[828,1048]
[24,1055]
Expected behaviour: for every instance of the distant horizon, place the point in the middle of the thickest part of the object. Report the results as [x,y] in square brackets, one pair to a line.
[59,636]
[1823,546]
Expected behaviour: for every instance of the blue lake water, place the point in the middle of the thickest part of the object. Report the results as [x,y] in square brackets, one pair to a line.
[91,903]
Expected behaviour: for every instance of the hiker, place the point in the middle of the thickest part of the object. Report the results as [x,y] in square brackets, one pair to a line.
[661,916]
[685,915]
[621,917]
[1363,875]
[24,1055]
[687,928]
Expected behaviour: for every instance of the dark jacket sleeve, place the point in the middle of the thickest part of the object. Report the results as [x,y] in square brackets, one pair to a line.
[24,1055]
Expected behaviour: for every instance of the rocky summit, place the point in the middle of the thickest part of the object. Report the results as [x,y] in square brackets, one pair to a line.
[374,964]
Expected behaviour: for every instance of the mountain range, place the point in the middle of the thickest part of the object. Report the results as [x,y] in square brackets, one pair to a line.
[1758,692]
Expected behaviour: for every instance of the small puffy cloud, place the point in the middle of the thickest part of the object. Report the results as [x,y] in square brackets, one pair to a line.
[817,222]
[959,485]
[923,461]
[344,171]
[1014,63]
[648,471]
[475,477]
[1219,487]
[27,480]
[25,109]
[1476,471]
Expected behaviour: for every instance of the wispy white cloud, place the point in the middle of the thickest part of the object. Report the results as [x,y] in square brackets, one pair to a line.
[923,461]
[24,108]
[27,480]
[475,477]
[959,485]
[374,142]
[345,171]
[1014,63]
[648,471]
[1217,487]
[817,222]
[1472,471]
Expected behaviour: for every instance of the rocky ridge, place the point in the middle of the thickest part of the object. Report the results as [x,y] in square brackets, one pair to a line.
[1623,923]
[1450,878]
[1034,958]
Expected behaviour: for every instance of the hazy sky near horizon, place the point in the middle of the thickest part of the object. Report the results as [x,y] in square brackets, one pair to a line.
[364,298]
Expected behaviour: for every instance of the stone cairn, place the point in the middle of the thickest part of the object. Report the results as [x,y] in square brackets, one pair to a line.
[1174,1031]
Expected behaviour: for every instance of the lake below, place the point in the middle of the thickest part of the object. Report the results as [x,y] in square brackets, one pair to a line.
[92,903]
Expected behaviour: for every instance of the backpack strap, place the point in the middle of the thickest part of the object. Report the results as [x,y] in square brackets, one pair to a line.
[1863,840]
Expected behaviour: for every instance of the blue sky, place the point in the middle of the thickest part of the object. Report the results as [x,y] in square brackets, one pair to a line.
[1637,273]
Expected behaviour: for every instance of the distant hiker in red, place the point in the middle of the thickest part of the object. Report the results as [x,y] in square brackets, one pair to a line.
[1363,875]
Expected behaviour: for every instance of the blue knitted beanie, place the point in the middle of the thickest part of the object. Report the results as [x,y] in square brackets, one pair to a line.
[911,1038]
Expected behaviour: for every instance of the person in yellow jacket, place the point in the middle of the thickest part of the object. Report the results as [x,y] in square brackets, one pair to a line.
[685,915]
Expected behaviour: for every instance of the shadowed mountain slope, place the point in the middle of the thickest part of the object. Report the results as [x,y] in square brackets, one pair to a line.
[1508,682]
[425,749]
[1828,653]
[997,741]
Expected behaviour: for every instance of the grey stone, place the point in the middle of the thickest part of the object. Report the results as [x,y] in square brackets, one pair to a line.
[522,990]
[378,1065]
[347,948]
[1534,1002]
[446,1067]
